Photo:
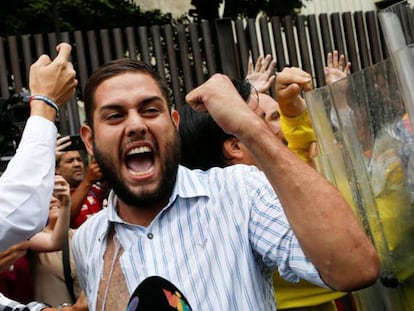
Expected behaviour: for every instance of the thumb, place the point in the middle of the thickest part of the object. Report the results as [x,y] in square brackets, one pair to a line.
[63,50]
[313,150]
[292,90]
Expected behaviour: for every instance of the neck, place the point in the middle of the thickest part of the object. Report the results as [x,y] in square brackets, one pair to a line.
[139,215]
[74,185]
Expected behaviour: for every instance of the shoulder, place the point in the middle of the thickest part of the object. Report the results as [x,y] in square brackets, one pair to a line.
[227,175]
[235,180]
[236,169]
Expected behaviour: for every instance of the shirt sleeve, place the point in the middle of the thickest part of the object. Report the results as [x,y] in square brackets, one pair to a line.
[272,237]
[27,183]
[298,132]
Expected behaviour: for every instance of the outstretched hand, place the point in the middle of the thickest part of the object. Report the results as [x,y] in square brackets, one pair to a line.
[55,79]
[261,76]
[336,68]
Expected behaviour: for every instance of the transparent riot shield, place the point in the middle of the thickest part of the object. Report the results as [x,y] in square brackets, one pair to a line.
[397,24]
[367,150]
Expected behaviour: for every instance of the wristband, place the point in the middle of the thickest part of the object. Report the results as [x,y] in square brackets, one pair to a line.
[46,100]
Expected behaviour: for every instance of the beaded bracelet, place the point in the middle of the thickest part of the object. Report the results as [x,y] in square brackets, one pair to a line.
[46,100]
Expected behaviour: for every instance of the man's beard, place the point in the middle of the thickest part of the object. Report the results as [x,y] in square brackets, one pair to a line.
[145,198]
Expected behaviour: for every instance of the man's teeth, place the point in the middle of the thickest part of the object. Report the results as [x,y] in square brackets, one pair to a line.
[140,173]
[138,150]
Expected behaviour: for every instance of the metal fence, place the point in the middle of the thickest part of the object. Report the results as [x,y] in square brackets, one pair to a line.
[187,54]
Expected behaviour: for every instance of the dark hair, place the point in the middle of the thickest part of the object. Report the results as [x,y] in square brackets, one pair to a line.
[244,88]
[112,69]
[201,138]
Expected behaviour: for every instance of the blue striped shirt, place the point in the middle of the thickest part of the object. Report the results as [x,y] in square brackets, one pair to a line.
[218,240]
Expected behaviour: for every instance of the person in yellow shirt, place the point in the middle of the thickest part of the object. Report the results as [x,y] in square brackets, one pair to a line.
[289,117]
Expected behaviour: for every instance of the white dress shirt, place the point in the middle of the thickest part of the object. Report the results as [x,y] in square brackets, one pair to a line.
[27,183]
[218,240]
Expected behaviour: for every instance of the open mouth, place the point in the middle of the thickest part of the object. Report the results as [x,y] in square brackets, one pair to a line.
[140,161]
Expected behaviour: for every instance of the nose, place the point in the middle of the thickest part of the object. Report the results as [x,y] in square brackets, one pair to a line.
[136,126]
[77,162]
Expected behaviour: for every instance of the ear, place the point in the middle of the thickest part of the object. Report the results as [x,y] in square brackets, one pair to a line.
[232,150]
[175,116]
[87,138]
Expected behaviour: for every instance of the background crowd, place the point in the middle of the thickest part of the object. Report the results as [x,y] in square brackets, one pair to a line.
[221,198]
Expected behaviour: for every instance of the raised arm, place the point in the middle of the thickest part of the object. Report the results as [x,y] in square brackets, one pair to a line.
[324,223]
[93,174]
[55,80]
[26,185]
[50,241]
[295,121]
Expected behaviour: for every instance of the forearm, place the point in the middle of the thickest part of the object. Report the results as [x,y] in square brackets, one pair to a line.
[323,222]
[292,107]
[25,200]
[47,241]
[60,232]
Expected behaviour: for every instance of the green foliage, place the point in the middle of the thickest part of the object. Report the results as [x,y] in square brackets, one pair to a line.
[42,16]
[283,8]
[246,8]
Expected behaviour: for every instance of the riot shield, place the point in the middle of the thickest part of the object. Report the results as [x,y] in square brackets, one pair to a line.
[367,150]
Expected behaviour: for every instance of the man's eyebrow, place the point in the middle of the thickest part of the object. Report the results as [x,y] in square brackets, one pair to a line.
[153,99]
[110,106]
[146,101]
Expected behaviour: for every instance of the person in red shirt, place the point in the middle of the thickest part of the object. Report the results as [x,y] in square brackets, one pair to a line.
[87,190]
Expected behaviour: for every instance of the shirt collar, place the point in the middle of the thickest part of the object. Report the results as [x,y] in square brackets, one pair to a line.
[189,184]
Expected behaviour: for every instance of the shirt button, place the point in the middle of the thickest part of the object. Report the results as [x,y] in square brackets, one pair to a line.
[150,236]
